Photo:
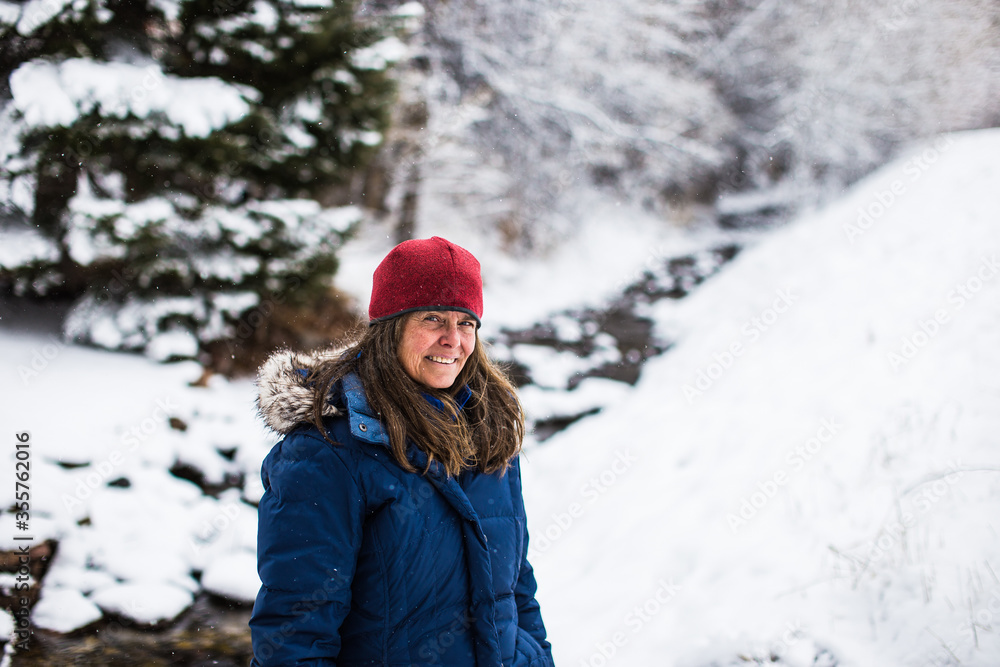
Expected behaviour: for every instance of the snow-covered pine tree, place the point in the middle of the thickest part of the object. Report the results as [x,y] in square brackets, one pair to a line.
[173,165]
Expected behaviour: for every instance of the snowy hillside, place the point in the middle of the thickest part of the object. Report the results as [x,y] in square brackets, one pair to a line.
[812,471]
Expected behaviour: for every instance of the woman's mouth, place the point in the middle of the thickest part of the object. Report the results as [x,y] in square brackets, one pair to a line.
[441,360]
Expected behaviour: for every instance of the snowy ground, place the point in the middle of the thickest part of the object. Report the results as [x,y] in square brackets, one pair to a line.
[808,472]
[814,465]
[102,444]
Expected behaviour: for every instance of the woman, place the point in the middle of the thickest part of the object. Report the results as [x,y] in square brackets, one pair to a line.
[392,528]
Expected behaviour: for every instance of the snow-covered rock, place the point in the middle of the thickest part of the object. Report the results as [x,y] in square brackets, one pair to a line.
[64,610]
[145,603]
[233,576]
[6,624]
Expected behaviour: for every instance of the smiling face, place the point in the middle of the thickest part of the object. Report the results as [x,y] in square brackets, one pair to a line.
[435,346]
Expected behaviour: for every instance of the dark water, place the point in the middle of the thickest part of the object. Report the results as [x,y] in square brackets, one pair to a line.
[211,632]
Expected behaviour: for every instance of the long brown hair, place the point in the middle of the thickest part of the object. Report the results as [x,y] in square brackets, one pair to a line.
[486,433]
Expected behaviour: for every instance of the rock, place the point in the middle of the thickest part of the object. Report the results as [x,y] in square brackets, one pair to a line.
[144,603]
[64,610]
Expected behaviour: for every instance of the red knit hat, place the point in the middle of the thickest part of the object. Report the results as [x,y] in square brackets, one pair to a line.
[426,274]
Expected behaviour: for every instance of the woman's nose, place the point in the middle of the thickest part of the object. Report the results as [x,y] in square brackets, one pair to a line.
[449,336]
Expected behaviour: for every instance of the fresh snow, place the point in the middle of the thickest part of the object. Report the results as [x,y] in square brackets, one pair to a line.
[591,393]
[379,55]
[778,481]
[176,344]
[9,13]
[57,94]
[304,227]
[553,369]
[171,8]
[25,246]
[6,624]
[810,471]
[128,530]
[64,610]
[233,576]
[37,13]
[147,603]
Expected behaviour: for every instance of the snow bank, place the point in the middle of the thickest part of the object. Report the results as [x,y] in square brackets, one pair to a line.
[812,470]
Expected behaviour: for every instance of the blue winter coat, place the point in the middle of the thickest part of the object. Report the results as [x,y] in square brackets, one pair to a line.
[363,563]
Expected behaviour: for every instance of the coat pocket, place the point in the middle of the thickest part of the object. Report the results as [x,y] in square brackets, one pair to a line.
[529,653]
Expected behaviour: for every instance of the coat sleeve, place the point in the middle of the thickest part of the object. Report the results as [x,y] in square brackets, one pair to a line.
[309,532]
[529,614]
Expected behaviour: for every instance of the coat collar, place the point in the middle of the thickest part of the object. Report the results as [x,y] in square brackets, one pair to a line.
[364,425]
[367,428]
[286,398]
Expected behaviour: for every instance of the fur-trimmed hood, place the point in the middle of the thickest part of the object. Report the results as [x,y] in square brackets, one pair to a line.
[284,398]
